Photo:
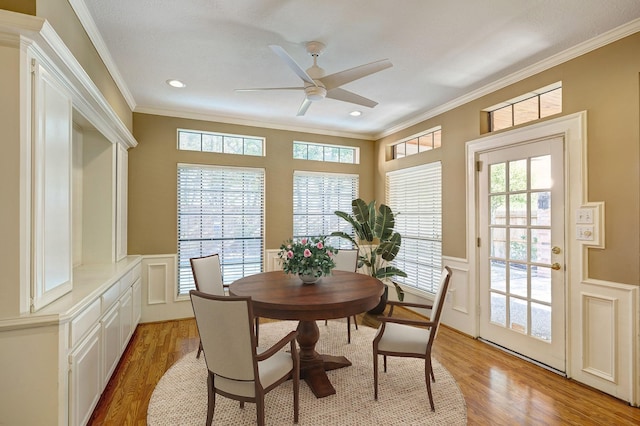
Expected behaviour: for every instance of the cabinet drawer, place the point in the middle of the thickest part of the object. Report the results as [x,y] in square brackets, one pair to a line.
[82,323]
[110,296]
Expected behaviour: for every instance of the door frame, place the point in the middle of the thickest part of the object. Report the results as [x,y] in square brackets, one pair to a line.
[573,129]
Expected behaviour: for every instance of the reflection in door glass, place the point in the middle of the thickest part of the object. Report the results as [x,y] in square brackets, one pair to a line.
[518,315]
[498,209]
[518,209]
[499,243]
[541,321]
[498,276]
[518,175]
[541,172]
[541,283]
[541,245]
[518,281]
[518,244]
[498,309]
[540,208]
[497,177]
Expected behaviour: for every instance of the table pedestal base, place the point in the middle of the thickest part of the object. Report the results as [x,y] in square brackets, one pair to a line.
[313,366]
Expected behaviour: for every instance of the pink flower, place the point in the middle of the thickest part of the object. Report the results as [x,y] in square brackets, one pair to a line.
[290,254]
[303,241]
[289,246]
[319,245]
[307,253]
[330,254]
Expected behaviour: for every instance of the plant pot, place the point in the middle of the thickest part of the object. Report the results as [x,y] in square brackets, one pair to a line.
[379,309]
[309,279]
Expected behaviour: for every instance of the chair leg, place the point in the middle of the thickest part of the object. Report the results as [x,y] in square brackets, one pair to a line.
[375,375]
[260,410]
[384,357]
[257,320]
[432,375]
[355,321]
[199,350]
[348,329]
[211,400]
[427,369]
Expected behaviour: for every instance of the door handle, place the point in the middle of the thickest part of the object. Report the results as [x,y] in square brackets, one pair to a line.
[556,266]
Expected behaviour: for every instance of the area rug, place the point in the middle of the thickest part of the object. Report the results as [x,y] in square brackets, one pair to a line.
[180,398]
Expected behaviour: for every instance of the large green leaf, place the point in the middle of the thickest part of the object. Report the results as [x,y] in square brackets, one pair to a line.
[345,236]
[384,223]
[360,210]
[372,218]
[366,232]
[357,227]
[389,249]
[389,271]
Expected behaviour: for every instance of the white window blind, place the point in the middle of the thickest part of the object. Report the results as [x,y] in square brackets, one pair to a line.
[220,210]
[415,196]
[316,196]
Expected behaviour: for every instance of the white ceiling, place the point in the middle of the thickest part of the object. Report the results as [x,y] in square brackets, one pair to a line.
[443,52]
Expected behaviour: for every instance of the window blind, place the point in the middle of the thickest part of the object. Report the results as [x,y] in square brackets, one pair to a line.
[316,196]
[415,196]
[220,210]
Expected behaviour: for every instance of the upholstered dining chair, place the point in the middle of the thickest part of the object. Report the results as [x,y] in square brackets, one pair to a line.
[410,338]
[237,368]
[207,276]
[347,260]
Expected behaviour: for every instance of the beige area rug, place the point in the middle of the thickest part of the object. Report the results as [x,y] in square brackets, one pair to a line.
[180,398]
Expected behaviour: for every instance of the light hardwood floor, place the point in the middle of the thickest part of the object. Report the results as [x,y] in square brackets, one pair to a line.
[499,389]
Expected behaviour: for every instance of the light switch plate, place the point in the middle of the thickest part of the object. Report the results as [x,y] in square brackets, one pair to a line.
[584,215]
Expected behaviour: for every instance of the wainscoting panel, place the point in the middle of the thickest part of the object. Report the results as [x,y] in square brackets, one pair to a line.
[599,339]
[159,290]
[156,283]
[604,335]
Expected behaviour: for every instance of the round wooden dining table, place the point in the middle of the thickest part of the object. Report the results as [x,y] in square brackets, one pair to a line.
[283,296]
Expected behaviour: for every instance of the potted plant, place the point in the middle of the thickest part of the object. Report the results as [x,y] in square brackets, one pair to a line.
[376,241]
[310,258]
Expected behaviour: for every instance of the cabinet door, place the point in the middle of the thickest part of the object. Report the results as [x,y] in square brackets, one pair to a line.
[126,319]
[52,257]
[122,164]
[111,344]
[85,383]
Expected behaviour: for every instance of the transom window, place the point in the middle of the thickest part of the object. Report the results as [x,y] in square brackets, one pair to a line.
[316,196]
[432,139]
[415,196]
[220,210]
[192,140]
[531,106]
[323,152]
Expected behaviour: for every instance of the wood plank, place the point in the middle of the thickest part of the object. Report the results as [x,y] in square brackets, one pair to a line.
[498,388]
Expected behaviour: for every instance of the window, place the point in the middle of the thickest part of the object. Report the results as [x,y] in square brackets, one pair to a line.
[191,140]
[316,196]
[531,106]
[330,153]
[424,142]
[415,196]
[220,210]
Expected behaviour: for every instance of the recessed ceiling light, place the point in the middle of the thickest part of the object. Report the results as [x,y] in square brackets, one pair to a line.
[355,113]
[176,83]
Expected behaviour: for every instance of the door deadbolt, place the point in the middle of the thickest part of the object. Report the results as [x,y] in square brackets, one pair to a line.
[555,250]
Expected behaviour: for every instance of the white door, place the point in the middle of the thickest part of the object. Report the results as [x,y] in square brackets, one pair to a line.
[521,248]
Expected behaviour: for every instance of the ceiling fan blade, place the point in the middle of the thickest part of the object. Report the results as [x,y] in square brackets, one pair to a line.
[343,77]
[304,107]
[292,64]
[257,89]
[347,96]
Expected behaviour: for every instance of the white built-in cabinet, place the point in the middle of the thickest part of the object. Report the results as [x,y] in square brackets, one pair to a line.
[71,294]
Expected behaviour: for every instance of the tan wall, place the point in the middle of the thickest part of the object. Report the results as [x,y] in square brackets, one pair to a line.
[153,176]
[67,25]
[605,83]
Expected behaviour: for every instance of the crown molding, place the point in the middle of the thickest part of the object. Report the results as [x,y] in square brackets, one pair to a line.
[82,12]
[552,61]
[192,115]
[37,35]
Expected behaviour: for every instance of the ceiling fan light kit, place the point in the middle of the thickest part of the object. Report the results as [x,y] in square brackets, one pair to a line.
[317,86]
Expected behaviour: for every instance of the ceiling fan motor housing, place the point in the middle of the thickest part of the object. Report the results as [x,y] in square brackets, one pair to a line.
[315,93]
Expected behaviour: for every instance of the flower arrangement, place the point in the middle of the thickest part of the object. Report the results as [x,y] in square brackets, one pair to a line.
[309,256]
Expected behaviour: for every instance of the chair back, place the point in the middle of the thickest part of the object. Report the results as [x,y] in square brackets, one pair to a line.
[346,260]
[438,302]
[226,333]
[207,274]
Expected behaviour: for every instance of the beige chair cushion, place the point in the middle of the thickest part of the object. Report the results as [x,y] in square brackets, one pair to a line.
[270,371]
[404,338]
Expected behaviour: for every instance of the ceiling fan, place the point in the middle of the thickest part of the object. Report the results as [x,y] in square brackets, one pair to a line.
[317,86]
